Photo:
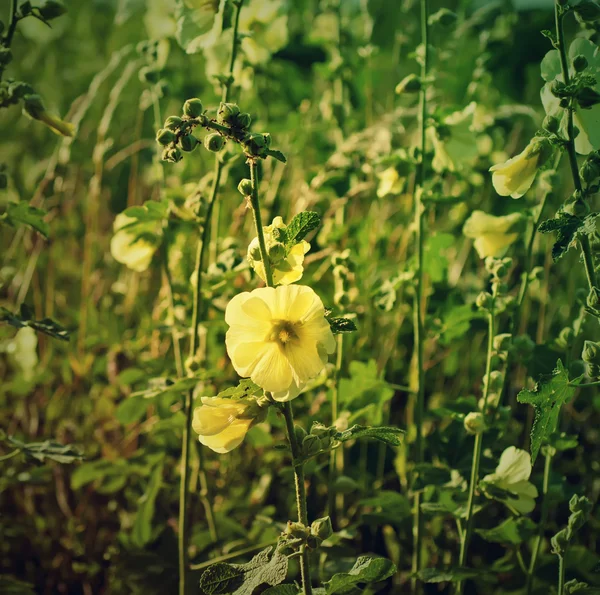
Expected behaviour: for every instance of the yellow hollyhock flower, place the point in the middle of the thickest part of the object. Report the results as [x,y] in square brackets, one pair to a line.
[512,476]
[279,337]
[515,176]
[222,424]
[286,268]
[134,254]
[493,235]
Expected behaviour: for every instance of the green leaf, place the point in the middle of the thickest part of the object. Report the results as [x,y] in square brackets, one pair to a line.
[435,575]
[277,155]
[435,259]
[141,532]
[20,213]
[387,435]
[151,210]
[131,409]
[568,230]
[47,326]
[245,388]
[341,325]
[366,570]
[40,451]
[562,441]
[302,224]
[512,531]
[393,508]
[547,399]
[282,590]
[12,586]
[164,386]
[243,579]
[426,474]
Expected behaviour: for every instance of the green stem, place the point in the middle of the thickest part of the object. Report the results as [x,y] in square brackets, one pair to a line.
[10,455]
[588,258]
[258,222]
[298,466]
[595,383]
[335,504]
[201,258]
[418,305]
[12,26]
[542,524]
[466,537]
[561,575]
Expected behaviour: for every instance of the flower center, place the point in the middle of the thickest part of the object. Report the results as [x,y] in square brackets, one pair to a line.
[283,332]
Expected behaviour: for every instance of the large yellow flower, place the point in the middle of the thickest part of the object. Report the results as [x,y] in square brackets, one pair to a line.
[512,477]
[279,337]
[515,176]
[134,254]
[493,235]
[286,268]
[222,424]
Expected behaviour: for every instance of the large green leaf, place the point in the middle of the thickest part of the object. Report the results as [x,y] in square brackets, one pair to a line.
[366,570]
[512,531]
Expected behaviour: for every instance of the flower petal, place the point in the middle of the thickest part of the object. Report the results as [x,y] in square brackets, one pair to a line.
[229,438]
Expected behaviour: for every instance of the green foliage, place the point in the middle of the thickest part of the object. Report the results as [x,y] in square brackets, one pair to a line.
[366,571]
[568,230]
[23,214]
[300,226]
[25,318]
[341,325]
[47,450]
[547,398]
[513,531]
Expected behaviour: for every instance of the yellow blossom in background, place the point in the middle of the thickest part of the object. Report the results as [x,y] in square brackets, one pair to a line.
[515,176]
[390,182]
[278,337]
[286,268]
[222,424]
[267,29]
[512,476]
[493,235]
[134,254]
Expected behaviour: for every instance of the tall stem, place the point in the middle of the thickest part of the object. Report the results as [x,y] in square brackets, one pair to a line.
[286,408]
[335,502]
[542,523]
[584,242]
[561,575]
[201,260]
[418,299]
[474,480]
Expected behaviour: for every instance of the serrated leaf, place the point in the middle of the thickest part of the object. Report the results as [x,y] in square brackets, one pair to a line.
[20,213]
[302,224]
[53,451]
[282,590]
[512,531]
[341,325]
[440,575]
[243,579]
[388,435]
[47,326]
[245,388]
[547,399]
[366,570]
[568,230]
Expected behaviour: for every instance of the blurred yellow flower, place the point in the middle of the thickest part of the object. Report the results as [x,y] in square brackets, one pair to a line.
[512,476]
[515,176]
[390,182]
[267,29]
[279,337]
[286,268]
[134,254]
[222,424]
[493,235]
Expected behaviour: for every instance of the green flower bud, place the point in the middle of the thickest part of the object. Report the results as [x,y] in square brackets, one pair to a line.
[297,530]
[565,338]
[228,113]
[591,353]
[193,108]
[320,430]
[484,300]
[172,154]
[496,381]
[300,433]
[560,542]
[311,445]
[173,122]
[256,144]
[52,9]
[243,120]
[551,124]
[245,187]
[188,142]
[214,142]
[587,10]
[322,528]
[165,137]
[577,208]
[254,253]
[474,422]
[409,84]
[502,342]
[580,63]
